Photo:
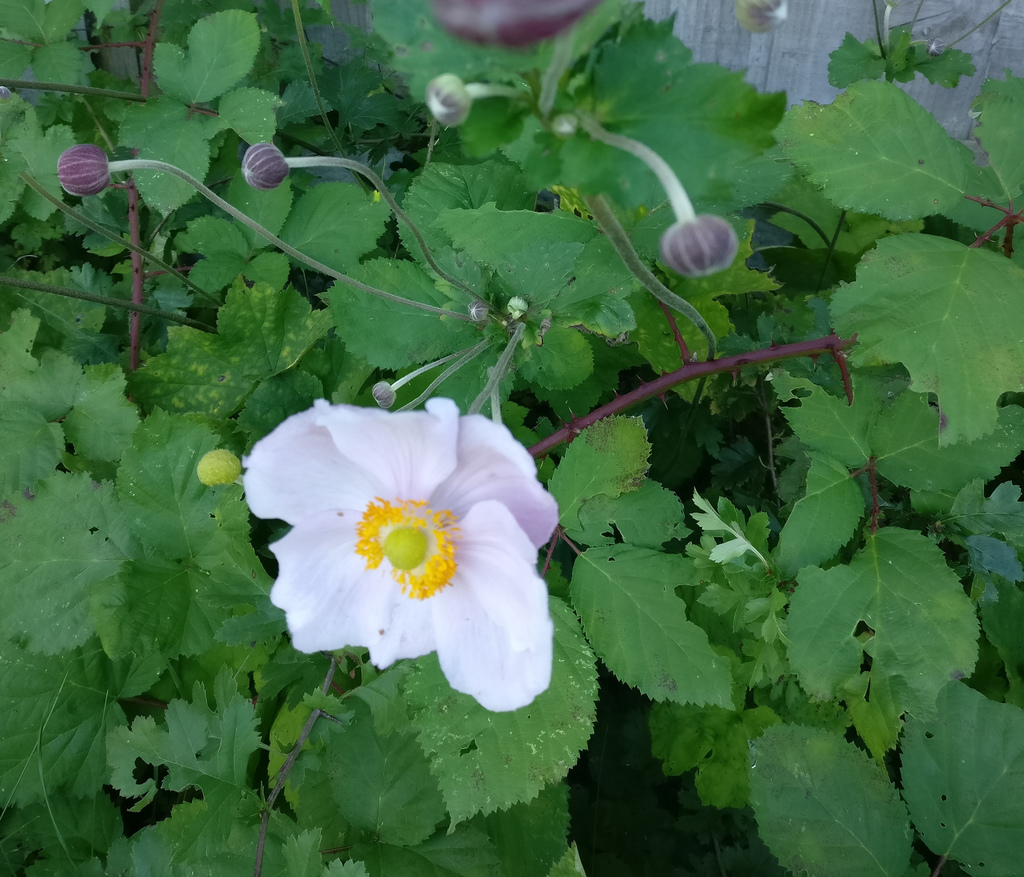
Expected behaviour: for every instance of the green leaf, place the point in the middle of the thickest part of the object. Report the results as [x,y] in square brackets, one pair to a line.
[1002,512]
[962,775]
[101,423]
[849,145]
[1002,620]
[626,600]
[221,50]
[54,715]
[823,807]
[485,761]
[562,361]
[950,314]
[250,112]
[60,62]
[204,748]
[824,519]
[53,547]
[24,18]
[268,207]
[1000,127]
[383,783]
[302,854]
[32,446]
[854,61]
[647,518]
[222,247]
[335,223]
[278,398]
[921,628]
[464,852]
[261,332]
[530,837]
[610,457]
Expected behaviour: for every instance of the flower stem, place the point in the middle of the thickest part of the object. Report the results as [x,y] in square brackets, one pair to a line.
[980,24]
[497,373]
[375,181]
[469,355]
[677,197]
[135,307]
[616,234]
[149,164]
[402,381]
[561,58]
[110,236]
[483,90]
[311,76]
[71,89]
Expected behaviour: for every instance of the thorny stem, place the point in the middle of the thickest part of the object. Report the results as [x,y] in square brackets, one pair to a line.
[469,355]
[286,768]
[618,238]
[497,374]
[148,48]
[110,236]
[375,181]
[981,23]
[72,89]
[1010,219]
[830,344]
[684,351]
[311,76]
[135,307]
[149,164]
[561,58]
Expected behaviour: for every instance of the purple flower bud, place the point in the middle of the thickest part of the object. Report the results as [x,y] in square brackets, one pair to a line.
[5,94]
[761,16]
[935,47]
[263,166]
[478,311]
[509,22]
[704,246]
[448,99]
[383,394]
[83,170]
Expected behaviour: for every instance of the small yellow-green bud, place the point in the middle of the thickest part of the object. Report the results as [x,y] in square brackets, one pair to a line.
[219,467]
[516,307]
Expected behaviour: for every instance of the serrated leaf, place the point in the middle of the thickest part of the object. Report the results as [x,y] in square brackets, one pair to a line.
[222,248]
[922,628]
[848,145]
[302,855]
[950,314]
[1003,622]
[32,446]
[824,807]
[626,599]
[102,421]
[53,547]
[824,519]
[962,775]
[55,713]
[250,112]
[485,761]
[1002,512]
[610,457]
[60,62]
[561,362]
[269,207]
[853,61]
[24,18]
[463,852]
[276,399]
[221,50]
[648,518]
[736,542]
[530,837]
[1001,125]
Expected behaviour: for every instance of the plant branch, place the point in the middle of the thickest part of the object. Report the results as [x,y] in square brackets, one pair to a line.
[136,307]
[148,47]
[616,234]
[71,89]
[497,374]
[830,344]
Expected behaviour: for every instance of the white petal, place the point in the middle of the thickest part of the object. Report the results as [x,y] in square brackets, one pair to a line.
[493,465]
[409,632]
[330,598]
[408,452]
[298,471]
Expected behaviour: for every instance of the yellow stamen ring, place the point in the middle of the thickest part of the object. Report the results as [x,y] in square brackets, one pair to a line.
[418,542]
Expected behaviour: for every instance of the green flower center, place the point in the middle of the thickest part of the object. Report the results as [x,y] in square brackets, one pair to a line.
[405,547]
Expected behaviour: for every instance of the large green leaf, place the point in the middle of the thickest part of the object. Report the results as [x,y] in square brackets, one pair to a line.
[626,599]
[824,808]
[963,772]
[899,603]
[464,852]
[950,314]
[485,761]
[871,133]
[1001,127]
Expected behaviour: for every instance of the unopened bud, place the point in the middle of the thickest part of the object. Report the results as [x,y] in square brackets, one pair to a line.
[516,307]
[761,16]
[263,166]
[219,467]
[565,125]
[448,99]
[935,47]
[83,170]
[509,22]
[478,311]
[704,246]
[5,94]
[383,394]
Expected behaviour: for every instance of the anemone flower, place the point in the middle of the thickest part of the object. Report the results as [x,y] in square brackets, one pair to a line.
[412,532]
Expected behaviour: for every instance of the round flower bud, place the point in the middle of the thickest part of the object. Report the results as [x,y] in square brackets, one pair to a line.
[517,306]
[5,94]
[448,99]
[704,246]
[83,170]
[935,47]
[509,22]
[219,467]
[383,394]
[565,125]
[478,311]
[761,16]
[264,166]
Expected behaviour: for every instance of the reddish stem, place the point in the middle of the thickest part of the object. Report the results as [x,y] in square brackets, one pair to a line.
[684,351]
[148,46]
[831,344]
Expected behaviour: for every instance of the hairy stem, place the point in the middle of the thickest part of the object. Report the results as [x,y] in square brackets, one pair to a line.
[497,374]
[616,234]
[304,48]
[981,23]
[72,89]
[134,331]
[465,359]
[561,58]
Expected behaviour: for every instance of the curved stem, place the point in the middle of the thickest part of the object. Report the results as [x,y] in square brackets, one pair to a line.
[375,181]
[72,89]
[887,15]
[981,23]
[483,90]
[111,236]
[150,164]
[782,208]
[561,58]
[616,234]
[311,76]
[470,355]
[677,197]
[402,381]
[498,371]
[18,283]
[878,30]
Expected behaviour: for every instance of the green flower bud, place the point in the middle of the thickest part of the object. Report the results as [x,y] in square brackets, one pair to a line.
[448,99]
[219,467]
[761,16]
[516,307]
